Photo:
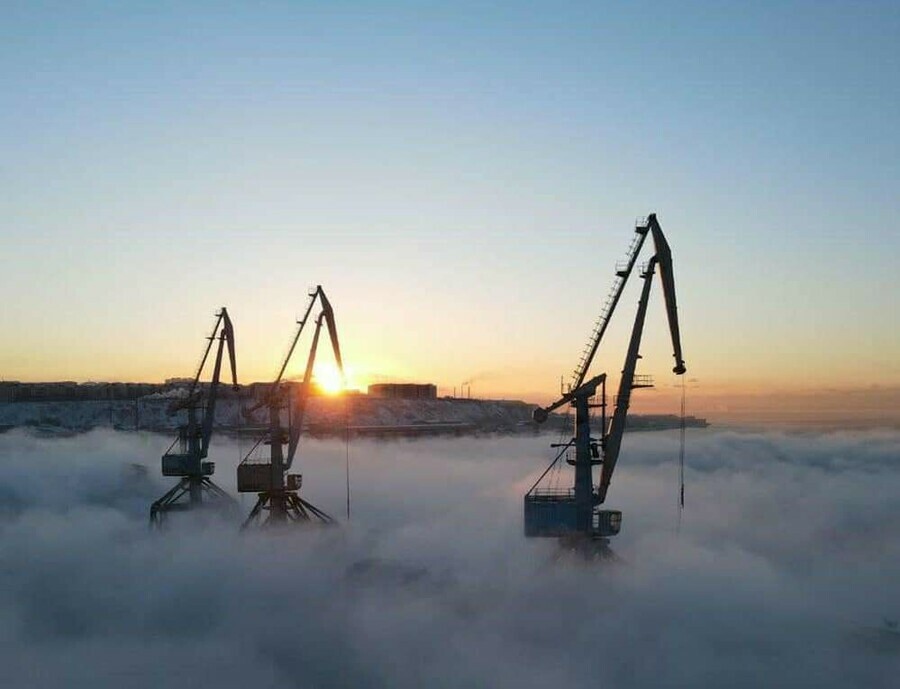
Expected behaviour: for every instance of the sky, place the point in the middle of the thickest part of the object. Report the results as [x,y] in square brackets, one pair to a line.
[461,178]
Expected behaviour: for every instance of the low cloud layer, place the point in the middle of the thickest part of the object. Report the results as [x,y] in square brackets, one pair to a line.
[782,573]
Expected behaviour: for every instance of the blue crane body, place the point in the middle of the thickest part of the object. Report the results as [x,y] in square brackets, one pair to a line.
[576,512]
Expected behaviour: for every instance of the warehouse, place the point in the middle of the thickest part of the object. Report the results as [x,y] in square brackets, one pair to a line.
[408,391]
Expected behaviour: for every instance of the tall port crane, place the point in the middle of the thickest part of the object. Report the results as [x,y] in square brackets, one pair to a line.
[576,512]
[270,477]
[186,461]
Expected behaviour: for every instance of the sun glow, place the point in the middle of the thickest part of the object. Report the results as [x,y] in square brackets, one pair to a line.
[328,378]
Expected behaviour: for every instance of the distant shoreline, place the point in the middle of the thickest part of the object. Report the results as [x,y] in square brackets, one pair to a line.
[326,417]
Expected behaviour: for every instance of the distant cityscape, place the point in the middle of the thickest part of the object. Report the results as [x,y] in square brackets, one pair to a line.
[384,409]
[70,391]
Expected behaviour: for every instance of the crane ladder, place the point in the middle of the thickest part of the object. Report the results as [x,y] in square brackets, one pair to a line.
[623,271]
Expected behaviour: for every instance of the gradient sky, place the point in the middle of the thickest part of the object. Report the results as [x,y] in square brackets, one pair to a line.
[461,179]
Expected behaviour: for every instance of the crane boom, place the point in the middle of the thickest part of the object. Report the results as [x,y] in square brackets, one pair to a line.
[663,259]
[328,312]
[663,255]
[209,340]
[623,400]
[318,294]
[666,275]
[615,293]
[299,406]
[226,339]
[301,324]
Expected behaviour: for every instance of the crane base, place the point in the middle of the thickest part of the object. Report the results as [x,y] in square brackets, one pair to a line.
[284,507]
[189,493]
[581,548]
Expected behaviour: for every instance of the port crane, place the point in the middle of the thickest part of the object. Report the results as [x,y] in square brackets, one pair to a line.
[270,477]
[576,512]
[185,456]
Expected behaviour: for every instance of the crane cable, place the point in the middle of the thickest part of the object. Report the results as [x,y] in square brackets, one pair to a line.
[681,459]
[347,452]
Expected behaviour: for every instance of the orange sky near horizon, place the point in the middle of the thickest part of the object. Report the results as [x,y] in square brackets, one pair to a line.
[749,399]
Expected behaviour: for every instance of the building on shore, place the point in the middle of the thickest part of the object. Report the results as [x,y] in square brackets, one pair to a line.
[70,391]
[406,391]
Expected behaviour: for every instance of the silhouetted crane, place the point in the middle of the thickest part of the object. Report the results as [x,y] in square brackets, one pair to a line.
[575,511]
[195,487]
[269,477]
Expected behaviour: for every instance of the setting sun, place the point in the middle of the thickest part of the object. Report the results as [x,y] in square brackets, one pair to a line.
[329,379]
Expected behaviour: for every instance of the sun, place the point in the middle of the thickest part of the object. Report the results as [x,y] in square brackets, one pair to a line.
[328,378]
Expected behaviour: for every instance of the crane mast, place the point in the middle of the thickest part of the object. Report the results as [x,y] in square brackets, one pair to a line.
[277,489]
[186,460]
[575,512]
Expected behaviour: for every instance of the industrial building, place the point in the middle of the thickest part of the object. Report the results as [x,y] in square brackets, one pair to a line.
[70,391]
[406,391]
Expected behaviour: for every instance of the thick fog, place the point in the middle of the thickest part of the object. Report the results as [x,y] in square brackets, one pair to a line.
[785,571]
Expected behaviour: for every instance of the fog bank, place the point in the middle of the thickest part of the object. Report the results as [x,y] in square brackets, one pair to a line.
[784,567]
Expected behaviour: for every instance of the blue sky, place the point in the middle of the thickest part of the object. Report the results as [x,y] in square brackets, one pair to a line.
[461,178]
